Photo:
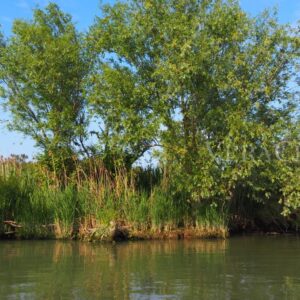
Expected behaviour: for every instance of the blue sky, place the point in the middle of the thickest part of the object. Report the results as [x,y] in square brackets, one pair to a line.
[83,12]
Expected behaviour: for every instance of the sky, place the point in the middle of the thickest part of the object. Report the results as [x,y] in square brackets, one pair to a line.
[84,12]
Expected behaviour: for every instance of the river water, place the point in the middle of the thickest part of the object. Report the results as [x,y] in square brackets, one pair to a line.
[238,268]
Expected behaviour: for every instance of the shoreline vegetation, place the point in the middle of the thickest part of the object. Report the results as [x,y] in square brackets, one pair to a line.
[165,119]
[94,205]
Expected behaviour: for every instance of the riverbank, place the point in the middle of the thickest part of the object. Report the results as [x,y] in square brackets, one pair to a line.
[120,231]
[114,231]
[96,205]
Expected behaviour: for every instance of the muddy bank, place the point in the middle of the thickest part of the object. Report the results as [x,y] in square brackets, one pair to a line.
[114,231]
[121,231]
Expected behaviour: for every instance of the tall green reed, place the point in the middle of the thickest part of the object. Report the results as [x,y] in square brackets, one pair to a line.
[91,196]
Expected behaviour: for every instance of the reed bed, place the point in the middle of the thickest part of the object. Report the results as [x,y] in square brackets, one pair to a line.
[95,204]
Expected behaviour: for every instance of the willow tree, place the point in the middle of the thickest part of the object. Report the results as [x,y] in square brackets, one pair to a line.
[43,65]
[213,78]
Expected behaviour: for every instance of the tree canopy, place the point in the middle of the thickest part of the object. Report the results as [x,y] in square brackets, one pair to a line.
[209,85]
[43,67]
[217,82]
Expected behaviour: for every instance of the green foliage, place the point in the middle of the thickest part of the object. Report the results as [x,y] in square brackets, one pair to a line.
[120,99]
[215,79]
[30,197]
[43,66]
[210,215]
[206,85]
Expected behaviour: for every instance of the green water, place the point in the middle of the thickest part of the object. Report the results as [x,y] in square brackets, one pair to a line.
[238,268]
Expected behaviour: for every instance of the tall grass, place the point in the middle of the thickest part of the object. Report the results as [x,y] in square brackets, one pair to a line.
[93,200]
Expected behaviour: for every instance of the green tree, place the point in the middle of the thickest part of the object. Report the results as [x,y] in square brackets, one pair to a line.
[43,66]
[216,82]
[124,97]
[120,102]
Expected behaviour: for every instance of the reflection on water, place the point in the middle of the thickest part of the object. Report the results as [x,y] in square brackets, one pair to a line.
[238,268]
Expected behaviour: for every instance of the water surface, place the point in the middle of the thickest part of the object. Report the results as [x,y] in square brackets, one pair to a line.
[238,268]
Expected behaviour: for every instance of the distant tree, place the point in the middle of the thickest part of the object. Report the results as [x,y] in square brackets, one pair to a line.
[43,65]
